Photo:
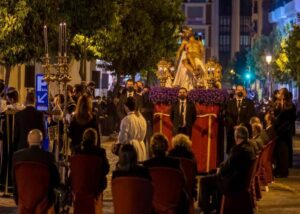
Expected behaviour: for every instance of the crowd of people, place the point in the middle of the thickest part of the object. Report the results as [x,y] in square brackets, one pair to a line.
[130,113]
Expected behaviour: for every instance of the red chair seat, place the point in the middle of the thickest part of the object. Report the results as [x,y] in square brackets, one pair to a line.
[168,187]
[268,161]
[190,170]
[243,201]
[132,195]
[33,181]
[86,175]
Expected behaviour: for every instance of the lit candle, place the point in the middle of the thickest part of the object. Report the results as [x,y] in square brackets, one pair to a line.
[65,38]
[46,40]
[60,40]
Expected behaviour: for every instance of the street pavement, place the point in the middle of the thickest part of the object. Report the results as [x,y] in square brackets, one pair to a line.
[283,195]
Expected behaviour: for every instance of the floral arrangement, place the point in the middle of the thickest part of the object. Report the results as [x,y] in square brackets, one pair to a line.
[163,95]
[203,96]
[208,96]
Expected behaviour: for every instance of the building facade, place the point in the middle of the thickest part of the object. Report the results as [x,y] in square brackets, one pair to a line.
[227,26]
[235,28]
[202,16]
[284,13]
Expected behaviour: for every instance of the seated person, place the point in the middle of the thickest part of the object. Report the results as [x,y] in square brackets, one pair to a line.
[127,165]
[88,147]
[256,140]
[35,154]
[263,134]
[232,174]
[159,147]
[270,131]
[182,149]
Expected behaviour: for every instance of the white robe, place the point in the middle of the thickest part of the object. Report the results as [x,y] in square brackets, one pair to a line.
[183,77]
[133,130]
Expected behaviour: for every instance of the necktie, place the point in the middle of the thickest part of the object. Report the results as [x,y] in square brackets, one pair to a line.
[239,109]
[182,114]
[239,105]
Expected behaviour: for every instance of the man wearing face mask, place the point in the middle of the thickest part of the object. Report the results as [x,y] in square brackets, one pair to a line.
[183,114]
[139,88]
[129,92]
[238,112]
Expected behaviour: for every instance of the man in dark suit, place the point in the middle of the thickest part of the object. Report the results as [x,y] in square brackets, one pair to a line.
[35,154]
[183,114]
[26,120]
[238,111]
[233,172]
[129,92]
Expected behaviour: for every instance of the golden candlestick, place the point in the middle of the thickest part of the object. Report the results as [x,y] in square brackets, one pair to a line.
[60,74]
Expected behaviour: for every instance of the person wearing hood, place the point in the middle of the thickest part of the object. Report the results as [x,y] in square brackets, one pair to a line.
[183,114]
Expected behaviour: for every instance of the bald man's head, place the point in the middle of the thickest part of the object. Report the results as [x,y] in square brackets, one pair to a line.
[35,137]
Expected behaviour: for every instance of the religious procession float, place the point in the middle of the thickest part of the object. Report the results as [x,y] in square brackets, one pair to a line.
[203,82]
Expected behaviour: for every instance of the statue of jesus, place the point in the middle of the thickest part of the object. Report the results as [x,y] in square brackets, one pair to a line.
[190,56]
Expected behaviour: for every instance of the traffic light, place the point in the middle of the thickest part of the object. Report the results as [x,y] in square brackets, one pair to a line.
[248,76]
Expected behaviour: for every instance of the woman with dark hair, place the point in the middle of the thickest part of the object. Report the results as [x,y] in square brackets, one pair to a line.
[83,119]
[128,165]
[270,131]
[159,146]
[88,147]
[285,115]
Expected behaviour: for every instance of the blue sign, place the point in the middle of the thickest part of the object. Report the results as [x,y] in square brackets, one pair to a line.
[41,93]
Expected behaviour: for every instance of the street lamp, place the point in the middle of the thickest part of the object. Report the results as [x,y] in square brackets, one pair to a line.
[268,59]
[270,81]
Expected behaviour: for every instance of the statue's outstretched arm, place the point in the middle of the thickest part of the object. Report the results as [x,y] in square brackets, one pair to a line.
[179,52]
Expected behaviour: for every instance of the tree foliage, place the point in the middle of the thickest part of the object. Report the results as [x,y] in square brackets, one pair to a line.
[239,66]
[287,60]
[256,57]
[21,27]
[142,33]
[293,53]
[131,34]
[85,17]
[12,22]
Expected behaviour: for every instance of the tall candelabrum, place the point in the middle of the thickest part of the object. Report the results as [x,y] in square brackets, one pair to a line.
[60,75]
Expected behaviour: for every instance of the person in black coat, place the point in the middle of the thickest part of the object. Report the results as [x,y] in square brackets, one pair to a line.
[285,115]
[35,154]
[88,147]
[82,120]
[183,114]
[232,175]
[26,120]
[159,146]
[238,111]
[270,130]
[127,165]
[182,149]
[129,92]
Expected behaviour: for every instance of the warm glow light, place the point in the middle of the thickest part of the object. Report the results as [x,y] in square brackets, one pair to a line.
[268,59]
